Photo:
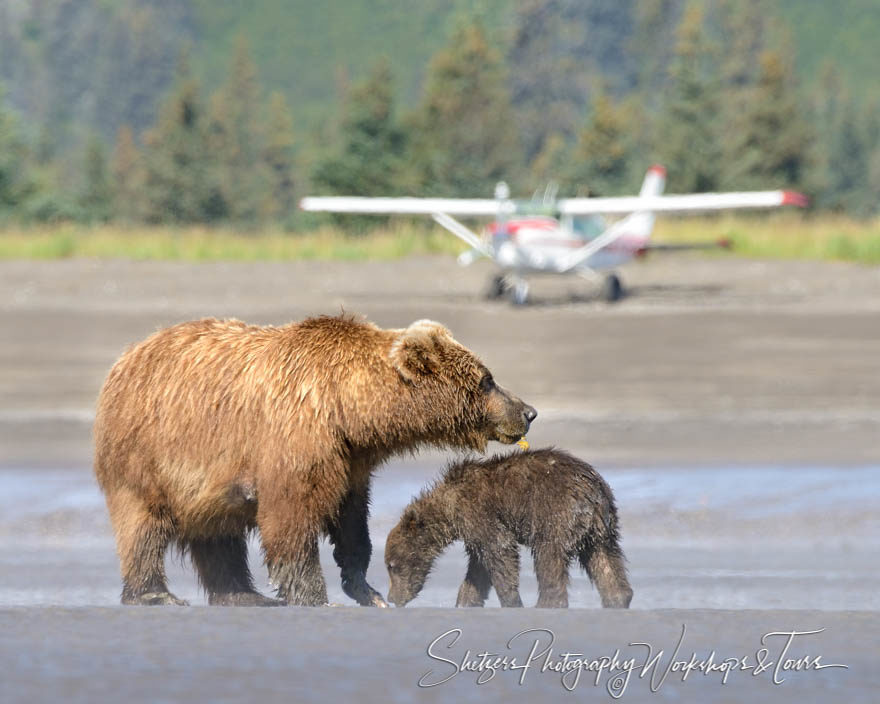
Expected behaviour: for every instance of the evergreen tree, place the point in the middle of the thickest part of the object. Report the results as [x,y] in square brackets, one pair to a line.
[872,192]
[769,139]
[688,131]
[851,154]
[370,160]
[552,163]
[650,46]
[603,156]
[465,137]
[96,197]
[180,182]
[236,139]
[743,29]
[558,50]
[15,184]
[278,156]
[127,172]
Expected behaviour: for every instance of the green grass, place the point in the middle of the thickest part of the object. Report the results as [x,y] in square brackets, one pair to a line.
[215,244]
[775,236]
[781,235]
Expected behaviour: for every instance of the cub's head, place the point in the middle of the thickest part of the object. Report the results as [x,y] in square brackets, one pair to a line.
[410,550]
[456,396]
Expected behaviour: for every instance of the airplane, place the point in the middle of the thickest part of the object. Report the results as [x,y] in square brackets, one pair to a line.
[565,236]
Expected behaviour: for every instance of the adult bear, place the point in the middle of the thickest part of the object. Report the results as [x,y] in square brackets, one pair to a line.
[212,428]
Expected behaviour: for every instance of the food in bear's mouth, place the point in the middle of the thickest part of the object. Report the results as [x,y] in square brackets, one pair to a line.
[523,443]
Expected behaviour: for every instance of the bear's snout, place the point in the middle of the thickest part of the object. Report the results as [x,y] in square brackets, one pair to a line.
[509,416]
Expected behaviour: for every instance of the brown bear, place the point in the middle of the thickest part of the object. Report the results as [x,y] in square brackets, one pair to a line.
[545,499]
[213,428]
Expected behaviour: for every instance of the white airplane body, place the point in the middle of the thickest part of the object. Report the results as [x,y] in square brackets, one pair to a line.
[576,240]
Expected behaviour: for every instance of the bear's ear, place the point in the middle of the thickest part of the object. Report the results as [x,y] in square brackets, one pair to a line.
[412,522]
[417,350]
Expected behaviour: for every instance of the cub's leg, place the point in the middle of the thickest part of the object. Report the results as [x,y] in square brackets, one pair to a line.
[501,558]
[605,567]
[224,573]
[551,570]
[352,547]
[142,536]
[475,587]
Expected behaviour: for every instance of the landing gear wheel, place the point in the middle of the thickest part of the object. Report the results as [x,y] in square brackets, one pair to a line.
[520,293]
[497,288]
[612,289]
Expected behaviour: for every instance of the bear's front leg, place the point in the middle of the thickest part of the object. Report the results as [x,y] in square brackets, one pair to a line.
[475,587]
[295,572]
[289,526]
[352,547]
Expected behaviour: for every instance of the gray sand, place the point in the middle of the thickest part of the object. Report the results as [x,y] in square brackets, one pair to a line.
[732,406]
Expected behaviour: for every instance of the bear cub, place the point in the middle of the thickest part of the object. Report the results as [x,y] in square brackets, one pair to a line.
[548,500]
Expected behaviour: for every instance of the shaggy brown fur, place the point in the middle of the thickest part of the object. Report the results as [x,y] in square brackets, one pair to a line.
[546,499]
[210,429]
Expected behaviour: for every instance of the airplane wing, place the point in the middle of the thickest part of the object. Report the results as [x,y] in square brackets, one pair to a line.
[490,207]
[486,207]
[694,202]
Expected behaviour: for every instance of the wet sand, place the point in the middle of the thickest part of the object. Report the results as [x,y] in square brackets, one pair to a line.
[732,405]
[709,360]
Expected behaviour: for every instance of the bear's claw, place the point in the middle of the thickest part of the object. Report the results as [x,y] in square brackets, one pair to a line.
[156,599]
[363,593]
[379,602]
[244,599]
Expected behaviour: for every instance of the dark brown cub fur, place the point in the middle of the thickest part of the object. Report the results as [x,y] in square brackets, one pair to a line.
[545,499]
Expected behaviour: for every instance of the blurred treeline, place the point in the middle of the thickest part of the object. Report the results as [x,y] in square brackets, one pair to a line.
[585,93]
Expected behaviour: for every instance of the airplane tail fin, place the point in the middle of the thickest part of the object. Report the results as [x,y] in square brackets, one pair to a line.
[655,181]
[639,225]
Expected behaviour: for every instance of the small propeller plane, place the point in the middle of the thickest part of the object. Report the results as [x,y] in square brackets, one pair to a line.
[565,236]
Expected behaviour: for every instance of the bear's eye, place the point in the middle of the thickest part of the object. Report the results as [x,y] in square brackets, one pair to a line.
[487,383]
[392,566]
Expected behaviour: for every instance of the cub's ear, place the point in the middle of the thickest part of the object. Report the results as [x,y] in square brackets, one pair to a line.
[417,351]
[413,522]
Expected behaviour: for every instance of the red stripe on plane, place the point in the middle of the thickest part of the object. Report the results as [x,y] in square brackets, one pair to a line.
[795,198]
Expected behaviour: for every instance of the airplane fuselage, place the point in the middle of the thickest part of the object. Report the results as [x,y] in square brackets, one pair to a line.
[544,245]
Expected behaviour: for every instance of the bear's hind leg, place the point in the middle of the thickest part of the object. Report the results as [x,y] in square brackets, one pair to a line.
[475,587]
[501,558]
[223,572]
[605,568]
[551,570]
[352,547]
[142,536]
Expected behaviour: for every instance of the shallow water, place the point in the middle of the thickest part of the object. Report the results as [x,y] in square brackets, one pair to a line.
[727,554]
[753,537]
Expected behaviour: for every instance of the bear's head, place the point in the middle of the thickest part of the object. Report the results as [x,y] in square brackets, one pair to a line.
[457,398]
[411,548]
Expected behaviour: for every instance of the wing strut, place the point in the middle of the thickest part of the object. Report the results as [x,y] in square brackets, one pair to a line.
[460,231]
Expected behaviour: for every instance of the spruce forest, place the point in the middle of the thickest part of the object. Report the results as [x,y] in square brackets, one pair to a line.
[186,112]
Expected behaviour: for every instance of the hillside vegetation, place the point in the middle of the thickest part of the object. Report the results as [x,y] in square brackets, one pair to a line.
[192,111]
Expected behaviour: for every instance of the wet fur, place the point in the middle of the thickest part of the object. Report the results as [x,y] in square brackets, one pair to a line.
[213,428]
[547,500]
